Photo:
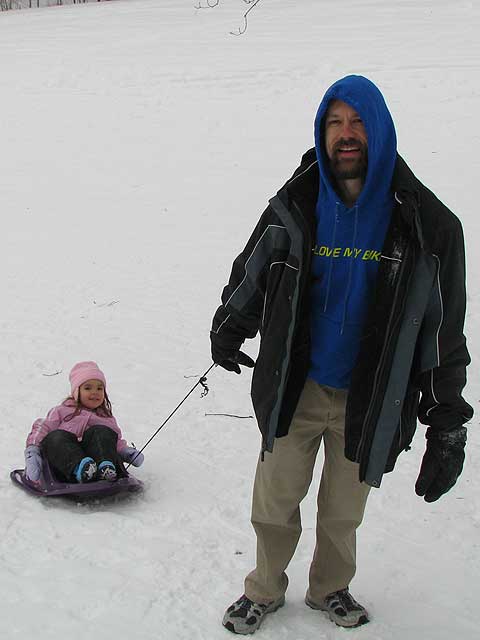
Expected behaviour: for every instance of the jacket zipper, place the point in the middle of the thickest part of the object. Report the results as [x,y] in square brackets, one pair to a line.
[303,278]
[381,366]
[307,263]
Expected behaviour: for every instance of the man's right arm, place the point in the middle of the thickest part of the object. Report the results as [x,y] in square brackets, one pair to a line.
[239,316]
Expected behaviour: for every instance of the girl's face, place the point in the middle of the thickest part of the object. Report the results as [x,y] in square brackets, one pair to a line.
[92,394]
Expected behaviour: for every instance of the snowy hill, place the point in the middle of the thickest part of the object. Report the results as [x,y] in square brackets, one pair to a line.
[139,143]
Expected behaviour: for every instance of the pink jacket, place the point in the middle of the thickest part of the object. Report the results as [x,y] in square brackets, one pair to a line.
[56,420]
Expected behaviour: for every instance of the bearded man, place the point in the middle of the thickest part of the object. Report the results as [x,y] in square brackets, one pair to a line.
[355,278]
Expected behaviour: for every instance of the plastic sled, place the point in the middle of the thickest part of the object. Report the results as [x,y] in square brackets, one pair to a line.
[49,486]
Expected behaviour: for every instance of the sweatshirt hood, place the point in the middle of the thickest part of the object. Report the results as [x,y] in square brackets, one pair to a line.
[349,240]
[363,96]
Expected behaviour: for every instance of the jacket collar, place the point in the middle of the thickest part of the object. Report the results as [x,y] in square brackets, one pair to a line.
[303,188]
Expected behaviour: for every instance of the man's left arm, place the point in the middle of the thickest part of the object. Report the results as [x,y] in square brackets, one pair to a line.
[442,406]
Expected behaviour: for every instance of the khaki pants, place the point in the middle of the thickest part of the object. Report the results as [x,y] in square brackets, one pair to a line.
[282,481]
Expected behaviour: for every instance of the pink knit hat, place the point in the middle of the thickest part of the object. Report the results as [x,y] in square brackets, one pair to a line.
[83,371]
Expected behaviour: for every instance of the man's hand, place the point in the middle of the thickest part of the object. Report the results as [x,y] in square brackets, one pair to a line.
[229,357]
[442,462]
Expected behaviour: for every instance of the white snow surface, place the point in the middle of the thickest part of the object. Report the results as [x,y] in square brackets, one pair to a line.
[140,142]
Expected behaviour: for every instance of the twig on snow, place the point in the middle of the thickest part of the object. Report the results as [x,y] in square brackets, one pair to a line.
[106,304]
[214,3]
[241,30]
[228,415]
[210,4]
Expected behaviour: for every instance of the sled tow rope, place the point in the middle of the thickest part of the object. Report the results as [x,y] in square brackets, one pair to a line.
[201,381]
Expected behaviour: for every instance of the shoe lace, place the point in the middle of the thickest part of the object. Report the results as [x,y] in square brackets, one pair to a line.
[89,470]
[245,603]
[346,600]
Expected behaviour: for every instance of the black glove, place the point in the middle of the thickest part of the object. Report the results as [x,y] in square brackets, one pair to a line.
[227,356]
[442,462]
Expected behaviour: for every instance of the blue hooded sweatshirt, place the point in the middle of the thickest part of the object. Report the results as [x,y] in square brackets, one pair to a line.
[349,241]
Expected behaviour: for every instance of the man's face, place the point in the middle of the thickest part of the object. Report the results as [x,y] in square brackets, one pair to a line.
[345,142]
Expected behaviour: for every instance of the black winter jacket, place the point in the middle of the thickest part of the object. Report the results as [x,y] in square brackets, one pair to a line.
[413,355]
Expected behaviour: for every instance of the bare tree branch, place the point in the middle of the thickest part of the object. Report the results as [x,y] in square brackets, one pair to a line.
[241,30]
[210,4]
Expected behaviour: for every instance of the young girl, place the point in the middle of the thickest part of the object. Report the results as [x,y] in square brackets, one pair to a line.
[80,438]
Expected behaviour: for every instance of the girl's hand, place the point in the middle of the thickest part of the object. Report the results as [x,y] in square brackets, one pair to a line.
[132,456]
[33,463]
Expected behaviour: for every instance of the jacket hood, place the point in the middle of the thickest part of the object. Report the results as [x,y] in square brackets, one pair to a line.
[363,96]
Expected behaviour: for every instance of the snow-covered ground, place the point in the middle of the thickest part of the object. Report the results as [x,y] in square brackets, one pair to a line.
[139,142]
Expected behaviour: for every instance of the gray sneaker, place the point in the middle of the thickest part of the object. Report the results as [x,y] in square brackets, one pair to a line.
[342,608]
[245,616]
